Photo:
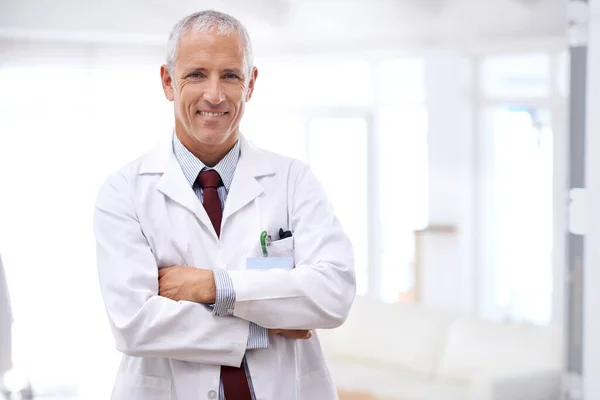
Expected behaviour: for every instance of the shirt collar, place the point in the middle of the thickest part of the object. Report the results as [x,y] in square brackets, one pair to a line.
[192,166]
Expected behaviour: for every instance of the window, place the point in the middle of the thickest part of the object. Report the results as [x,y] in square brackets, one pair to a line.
[313,83]
[402,172]
[283,133]
[128,98]
[403,199]
[511,76]
[520,214]
[401,81]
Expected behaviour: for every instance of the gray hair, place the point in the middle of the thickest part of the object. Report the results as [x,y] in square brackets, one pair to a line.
[209,21]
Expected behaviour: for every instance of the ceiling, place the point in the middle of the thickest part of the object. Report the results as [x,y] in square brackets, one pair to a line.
[290,24]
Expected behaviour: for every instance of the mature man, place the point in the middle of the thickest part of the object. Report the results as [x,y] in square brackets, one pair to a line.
[216,259]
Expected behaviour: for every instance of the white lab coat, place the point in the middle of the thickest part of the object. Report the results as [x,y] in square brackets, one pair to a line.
[5,325]
[147,216]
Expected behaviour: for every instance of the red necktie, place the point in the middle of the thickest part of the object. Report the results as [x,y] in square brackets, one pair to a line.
[235,382]
[209,181]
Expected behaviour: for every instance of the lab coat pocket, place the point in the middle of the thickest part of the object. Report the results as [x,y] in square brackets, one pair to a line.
[133,387]
[280,256]
[282,248]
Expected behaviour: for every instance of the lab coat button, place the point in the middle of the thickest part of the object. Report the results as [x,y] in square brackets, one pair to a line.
[212,394]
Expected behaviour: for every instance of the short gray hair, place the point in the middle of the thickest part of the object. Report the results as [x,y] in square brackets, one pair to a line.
[209,21]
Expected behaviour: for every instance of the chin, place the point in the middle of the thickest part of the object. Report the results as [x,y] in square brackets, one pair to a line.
[212,138]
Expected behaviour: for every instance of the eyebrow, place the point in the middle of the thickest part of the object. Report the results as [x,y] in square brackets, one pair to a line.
[201,69]
[234,70]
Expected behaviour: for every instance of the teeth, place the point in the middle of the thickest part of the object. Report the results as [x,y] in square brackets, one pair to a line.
[209,114]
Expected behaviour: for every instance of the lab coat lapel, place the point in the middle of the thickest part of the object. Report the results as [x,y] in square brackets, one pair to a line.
[253,163]
[173,183]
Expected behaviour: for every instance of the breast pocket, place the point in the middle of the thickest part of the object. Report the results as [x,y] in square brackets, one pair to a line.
[138,387]
[280,256]
[282,248]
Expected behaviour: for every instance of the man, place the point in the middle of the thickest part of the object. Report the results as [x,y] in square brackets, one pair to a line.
[193,303]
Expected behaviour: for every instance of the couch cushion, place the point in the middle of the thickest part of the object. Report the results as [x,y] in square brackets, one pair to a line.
[475,347]
[407,336]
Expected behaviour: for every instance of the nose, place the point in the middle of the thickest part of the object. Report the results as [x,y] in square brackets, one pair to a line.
[214,92]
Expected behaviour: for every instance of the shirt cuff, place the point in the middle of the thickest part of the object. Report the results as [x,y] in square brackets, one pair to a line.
[258,338]
[225,294]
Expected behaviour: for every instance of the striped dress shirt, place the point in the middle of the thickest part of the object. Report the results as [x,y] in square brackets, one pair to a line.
[191,166]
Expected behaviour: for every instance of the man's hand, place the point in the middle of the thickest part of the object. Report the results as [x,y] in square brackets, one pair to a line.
[291,333]
[187,283]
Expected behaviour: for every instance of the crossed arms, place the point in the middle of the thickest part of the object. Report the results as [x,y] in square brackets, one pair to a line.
[183,283]
[147,323]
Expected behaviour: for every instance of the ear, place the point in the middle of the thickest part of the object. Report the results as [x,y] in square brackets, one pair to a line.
[167,83]
[251,84]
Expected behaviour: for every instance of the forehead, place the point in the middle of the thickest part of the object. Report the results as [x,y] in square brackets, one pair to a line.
[210,49]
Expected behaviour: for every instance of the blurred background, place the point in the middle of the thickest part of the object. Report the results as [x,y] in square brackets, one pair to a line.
[462,121]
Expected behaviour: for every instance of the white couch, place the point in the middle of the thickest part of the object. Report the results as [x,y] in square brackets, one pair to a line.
[407,352]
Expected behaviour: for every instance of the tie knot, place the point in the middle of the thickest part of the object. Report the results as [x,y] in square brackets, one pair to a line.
[209,179]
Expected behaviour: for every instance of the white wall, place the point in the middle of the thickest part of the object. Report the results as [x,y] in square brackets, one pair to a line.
[283,24]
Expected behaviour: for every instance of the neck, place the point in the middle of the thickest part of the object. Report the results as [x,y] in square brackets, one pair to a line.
[209,154]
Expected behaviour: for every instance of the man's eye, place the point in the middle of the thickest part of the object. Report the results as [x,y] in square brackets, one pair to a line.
[231,76]
[195,75]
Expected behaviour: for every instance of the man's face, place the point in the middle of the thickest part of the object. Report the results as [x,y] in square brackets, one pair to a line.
[209,85]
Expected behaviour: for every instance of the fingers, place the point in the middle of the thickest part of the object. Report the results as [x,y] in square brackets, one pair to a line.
[162,271]
[292,333]
[303,334]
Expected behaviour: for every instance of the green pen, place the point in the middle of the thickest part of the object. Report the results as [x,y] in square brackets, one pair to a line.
[265,240]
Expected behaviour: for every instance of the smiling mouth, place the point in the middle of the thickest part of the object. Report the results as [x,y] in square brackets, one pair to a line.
[211,114]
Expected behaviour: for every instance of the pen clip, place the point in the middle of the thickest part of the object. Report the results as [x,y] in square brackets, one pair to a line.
[265,240]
